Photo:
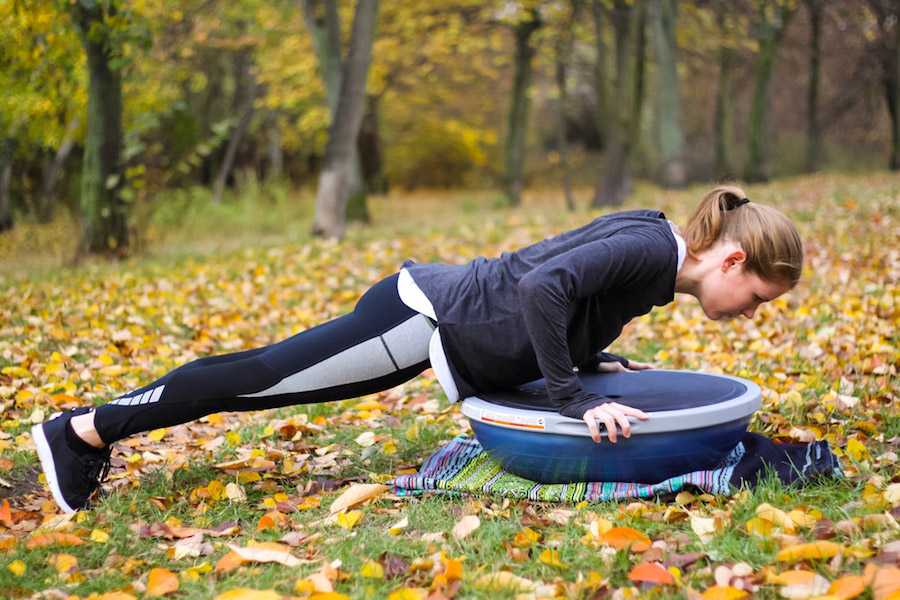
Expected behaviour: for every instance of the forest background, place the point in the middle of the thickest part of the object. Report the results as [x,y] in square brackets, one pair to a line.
[123,120]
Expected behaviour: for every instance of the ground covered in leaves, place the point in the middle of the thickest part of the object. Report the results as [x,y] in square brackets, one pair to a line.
[290,503]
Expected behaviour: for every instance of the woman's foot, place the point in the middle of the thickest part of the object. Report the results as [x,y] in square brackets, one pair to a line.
[74,469]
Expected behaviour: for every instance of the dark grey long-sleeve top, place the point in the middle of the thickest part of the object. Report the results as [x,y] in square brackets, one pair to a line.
[548,307]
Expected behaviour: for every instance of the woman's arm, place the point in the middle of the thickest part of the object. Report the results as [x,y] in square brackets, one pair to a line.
[545,293]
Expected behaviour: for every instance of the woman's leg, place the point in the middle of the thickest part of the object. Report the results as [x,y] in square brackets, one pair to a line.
[378,345]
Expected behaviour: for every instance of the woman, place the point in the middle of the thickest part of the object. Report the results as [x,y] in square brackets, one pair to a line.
[541,311]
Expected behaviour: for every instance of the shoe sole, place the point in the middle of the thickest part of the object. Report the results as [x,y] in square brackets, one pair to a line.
[46,456]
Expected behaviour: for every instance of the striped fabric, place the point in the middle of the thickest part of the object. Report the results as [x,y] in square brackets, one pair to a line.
[463,466]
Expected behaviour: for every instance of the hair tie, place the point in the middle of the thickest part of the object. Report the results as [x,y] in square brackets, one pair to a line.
[740,202]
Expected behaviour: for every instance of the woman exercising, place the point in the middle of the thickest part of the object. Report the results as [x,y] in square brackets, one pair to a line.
[544,310]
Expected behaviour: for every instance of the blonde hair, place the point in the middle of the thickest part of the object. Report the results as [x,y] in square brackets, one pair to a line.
[773,246]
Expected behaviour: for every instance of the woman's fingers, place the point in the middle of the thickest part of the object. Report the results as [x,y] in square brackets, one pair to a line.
[611,367]
[592,426]
[639,366]
[628,410]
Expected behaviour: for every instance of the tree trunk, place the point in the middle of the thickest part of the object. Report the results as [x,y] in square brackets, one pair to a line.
[600,75]
[46,200]
[7,149]
[615,182]
[323,22]
[370,149]
[334,180]
[673,172]
[813,131]
[517,125]
[895,121]
[244,97]
[104,213]
[274,152]
[724,111]
[563,55]
[769,34]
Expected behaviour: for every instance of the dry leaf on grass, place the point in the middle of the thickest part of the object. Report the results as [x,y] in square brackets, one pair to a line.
[161,582]
[465,526]
[357,493]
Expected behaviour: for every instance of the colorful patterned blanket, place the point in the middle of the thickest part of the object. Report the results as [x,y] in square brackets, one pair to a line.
[462,465]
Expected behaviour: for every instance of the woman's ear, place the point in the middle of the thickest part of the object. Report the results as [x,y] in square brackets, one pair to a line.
[734,258]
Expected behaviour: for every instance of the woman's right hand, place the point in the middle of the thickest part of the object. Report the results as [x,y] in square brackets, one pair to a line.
[611,414]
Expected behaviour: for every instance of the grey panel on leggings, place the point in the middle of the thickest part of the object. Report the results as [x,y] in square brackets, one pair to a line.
[408,341]
[364,361]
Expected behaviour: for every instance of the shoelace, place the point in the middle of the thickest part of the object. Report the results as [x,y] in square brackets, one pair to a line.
[96,468]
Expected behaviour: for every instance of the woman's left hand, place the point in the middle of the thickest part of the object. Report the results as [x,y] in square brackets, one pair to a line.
[617,367]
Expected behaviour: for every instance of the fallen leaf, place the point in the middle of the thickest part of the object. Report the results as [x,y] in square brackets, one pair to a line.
[809,551]
[266,552]
[161,582]
[848,586]
[248,594]
[63,563]
[372,570]
[348,520]
[622,538]
[651,572]
[504,581]
[53,538]
[356,494]
[465,526]
[718,592]
[549,556]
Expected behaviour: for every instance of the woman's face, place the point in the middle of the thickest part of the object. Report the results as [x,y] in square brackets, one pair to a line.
[729,290]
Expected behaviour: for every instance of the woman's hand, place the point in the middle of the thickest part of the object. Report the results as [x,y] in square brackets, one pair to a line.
[612,413]
[617,367]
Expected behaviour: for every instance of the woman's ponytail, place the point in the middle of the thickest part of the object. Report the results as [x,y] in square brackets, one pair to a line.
[773,246]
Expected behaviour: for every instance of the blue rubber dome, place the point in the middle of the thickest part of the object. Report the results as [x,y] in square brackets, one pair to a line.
[695,420]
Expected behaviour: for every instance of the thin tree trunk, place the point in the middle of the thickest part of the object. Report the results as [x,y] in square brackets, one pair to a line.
[563,55]
[673,172]
[517,125]
[370,147]
[7,149]
[334,179]
[813,131]
[245,95]
[769,37]
[274,152]
[47,200]
[895,130]
[724,110]
[104,213]
[600,73]
[615,182]
[323,22]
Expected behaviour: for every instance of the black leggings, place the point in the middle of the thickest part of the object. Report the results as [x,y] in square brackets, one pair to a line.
[379,345]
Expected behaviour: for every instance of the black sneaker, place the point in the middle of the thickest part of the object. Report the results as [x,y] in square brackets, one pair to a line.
[72,474]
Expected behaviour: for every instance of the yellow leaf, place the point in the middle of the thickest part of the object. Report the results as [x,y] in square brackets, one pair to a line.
[161,582]
[526,537]
[249,594]
[408,594]
[504,581]
[792,577]
[99,536]
[16,567]
[810,551]
[848,586]
[372,570]
[329,596]
[157,434]
[63,563]
[356,494]
[550,557]
[723,592]
[348,520]
[759,527]
[857,450]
